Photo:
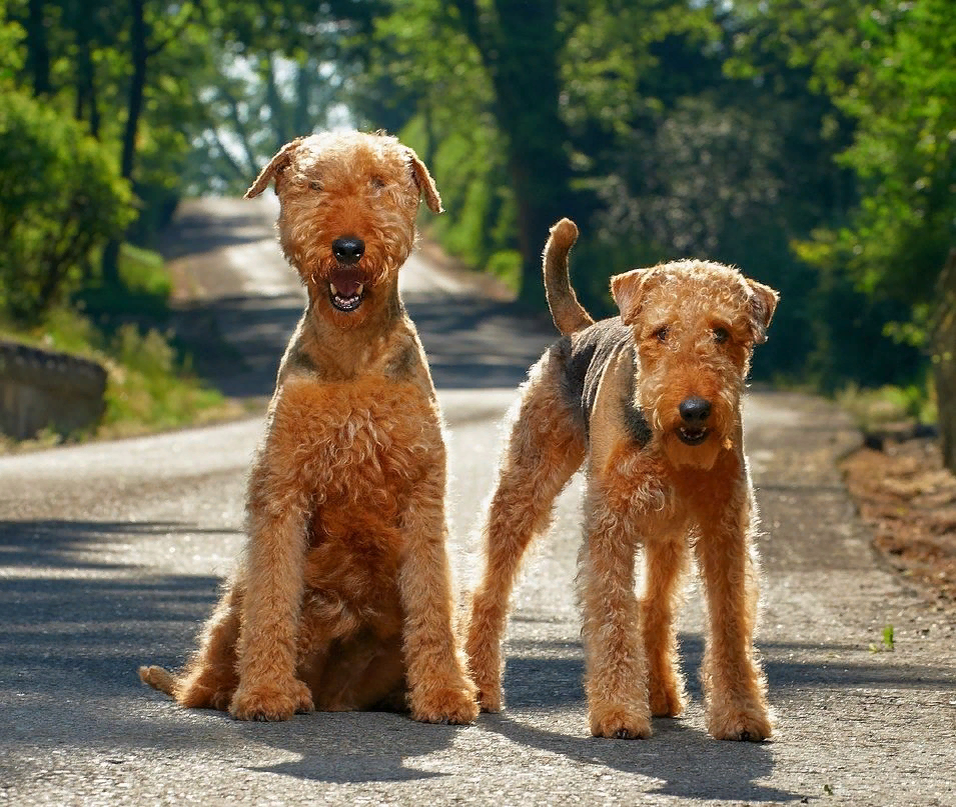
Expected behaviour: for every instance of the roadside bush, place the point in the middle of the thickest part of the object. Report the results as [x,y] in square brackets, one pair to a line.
[61,200]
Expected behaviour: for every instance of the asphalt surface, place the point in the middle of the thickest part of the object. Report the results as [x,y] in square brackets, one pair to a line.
[110,555]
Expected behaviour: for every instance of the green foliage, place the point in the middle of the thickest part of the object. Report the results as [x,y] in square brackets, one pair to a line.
[148,385]
[61,199]
[11,57]
[811,143]
[892,71]
[144,289]
[472,180]
[887,641]
[872,408]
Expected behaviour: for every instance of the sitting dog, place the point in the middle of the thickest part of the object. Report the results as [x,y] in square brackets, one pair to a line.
[651,400]
[343,597]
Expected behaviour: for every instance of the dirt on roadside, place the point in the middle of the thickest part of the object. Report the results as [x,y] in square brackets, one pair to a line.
[909,499]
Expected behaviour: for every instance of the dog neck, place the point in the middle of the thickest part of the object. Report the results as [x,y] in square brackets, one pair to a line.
[347,345]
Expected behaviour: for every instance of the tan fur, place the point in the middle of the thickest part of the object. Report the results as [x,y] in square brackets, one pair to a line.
[692,328]
[343,598]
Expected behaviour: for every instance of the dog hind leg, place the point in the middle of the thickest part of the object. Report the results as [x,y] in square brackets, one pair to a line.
[546,447]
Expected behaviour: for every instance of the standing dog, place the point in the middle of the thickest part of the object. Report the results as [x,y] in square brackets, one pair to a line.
[652,400]
[343,597]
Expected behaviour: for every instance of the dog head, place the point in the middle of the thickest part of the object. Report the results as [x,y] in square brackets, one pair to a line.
[347,220]
[695,324]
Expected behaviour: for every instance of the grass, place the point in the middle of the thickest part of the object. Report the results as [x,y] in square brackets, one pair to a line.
[145,290]
[150,383]
[876,408]
[887,643]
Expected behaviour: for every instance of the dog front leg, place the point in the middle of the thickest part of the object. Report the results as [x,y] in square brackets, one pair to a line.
[439,690]
[616,670]
[734,686]
[274,572]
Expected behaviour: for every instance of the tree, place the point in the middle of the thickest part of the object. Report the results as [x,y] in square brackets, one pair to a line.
[147,39]
[893,73]
[520,46]
[61,199]
[542,68]
[255,104]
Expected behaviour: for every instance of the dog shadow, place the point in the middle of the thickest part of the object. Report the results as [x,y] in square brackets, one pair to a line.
[685,760]
[349,747]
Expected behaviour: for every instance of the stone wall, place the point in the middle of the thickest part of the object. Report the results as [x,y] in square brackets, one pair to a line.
[40,389]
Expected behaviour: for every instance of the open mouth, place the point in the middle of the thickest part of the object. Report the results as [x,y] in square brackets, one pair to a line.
[346,290]
[692,435]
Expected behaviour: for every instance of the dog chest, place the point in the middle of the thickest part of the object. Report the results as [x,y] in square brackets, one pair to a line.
[355,447]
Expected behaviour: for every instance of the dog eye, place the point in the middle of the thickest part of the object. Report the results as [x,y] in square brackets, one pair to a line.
[378,183]
[315,185]
[721,335]
[661,333]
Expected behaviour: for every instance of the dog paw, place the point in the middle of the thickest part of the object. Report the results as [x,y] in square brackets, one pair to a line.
[749,725]
[485,665]
[272,703]
[620,724]
[198,696]
[205,691]
[666,701]
[489,698]
[454,706]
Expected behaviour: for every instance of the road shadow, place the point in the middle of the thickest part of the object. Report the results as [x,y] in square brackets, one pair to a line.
[545,677]
[61,543]
[473,343]
[549,674]
[687,761]
[205,225]
[73,634]
[355,747]
[236,342]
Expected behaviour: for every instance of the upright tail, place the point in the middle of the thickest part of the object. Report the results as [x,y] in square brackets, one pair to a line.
[568,314]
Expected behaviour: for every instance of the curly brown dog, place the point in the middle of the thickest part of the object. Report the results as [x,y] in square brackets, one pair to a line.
[343,597]
[651,400]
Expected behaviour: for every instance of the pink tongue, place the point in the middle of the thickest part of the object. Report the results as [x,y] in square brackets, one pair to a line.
[346,283]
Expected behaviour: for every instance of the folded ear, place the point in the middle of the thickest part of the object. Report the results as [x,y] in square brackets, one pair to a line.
[630,289]
[276,165]
[763,302]
[425,183]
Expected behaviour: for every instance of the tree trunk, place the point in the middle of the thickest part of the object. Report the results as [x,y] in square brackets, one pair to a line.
[302,120]
[526,88]
[134,109]
[944,360]
[38,49]
[278,114]
[521,54]
[87,107]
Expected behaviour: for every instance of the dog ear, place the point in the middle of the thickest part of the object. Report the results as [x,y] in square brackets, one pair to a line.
[630,288]
[276,166]
[763,302]
[425,183]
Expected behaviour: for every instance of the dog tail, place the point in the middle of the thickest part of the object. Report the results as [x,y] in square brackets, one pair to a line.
[160,679]
[568,314]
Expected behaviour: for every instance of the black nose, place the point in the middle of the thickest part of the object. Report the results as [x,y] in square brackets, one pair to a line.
[348,249]
[694,410]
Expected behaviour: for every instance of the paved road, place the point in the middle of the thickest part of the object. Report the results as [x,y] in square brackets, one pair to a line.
[110,555]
